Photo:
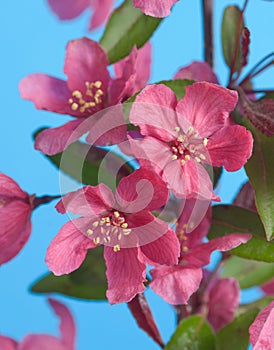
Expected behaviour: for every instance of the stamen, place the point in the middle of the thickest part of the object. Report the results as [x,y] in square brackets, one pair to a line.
[205,141]
[116,248]
[90,232]
[174,157]
[177,128]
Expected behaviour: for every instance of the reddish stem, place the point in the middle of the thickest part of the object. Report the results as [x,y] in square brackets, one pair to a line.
[207,6]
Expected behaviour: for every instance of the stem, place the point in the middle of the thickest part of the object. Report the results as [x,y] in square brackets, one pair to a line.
[207,6]
[259,91]
[37,201]
[182,312]
[253,72]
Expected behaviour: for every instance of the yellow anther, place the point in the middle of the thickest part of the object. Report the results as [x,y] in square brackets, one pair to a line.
[124,225]
[180,138]
[183,162]
[90,232]
[191,225]
[95,223]
[116,248]
[202,156]
[205,141]
[98,84]
[187,157]
[126,231]
[185,249]
[184,238]
[184,226]
[116,214]
[74,106]
[190,130]
[70,100]
[77,94]
[196,134]
[96,240]
[177,128]
[198,160]
[174,157]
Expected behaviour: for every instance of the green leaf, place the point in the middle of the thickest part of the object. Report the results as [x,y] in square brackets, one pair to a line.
[260,170]
[85,163]
[127,27]
[231,18]
[235,335]
[178,86]
[231,219]
[193,333]
[217,173]
[248,273]
[88,282]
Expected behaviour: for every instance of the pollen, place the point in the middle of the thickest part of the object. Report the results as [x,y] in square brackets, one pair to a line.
[177,129]
[185,249]
[90,232]
[116,248]
[205,141]
[174,157]
[89,99]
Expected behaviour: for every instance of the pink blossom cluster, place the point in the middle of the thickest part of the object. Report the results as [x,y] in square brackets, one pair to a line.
[160,214]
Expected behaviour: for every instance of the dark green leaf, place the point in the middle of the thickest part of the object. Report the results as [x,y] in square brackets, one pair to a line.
[260,170]
[232,26]
[235,335]
[248,273]
[84,162]
[88,282]
[231,219]
[193,333]
[127,27]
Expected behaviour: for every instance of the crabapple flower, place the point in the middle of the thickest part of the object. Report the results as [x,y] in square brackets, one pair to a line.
[198,71]
[45,341]
[88,90]
[155,8]
[123,222]
[69,9]
[175,284]
[179,137]
[220,301]
[261,330]
[15,212]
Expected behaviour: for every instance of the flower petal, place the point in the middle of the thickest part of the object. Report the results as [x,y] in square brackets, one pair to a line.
[101,10]
[68,9]
[268,287]
[200,255]
[69,247]
[199,71]
[153,111]
[155,8]
[46,92]
[206,107]
[7,343]
[9,188]
[164,250]
[223,301]
[85,62]
[175,284]
[67,325]
[261,330]
[87,201]
[41,342]
[231,147]
[15,229]
[125,274]
[142,190]
[55,140]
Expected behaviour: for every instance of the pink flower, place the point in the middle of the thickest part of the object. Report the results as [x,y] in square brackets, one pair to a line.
[15,211]
[199,71]
[45,341]
[261,330]
[155,8]
[88,89]
[69,9]
[220,301]
[181,136]
[176,284]
[132,236]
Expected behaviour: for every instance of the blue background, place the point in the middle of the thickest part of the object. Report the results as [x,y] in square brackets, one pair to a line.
[33,40]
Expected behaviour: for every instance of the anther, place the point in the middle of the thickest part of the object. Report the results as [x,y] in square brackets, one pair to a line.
[90,232]
[116,248]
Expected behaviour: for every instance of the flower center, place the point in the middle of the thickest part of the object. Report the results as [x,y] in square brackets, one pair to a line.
[93,94]
[188,146]
[110,229]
